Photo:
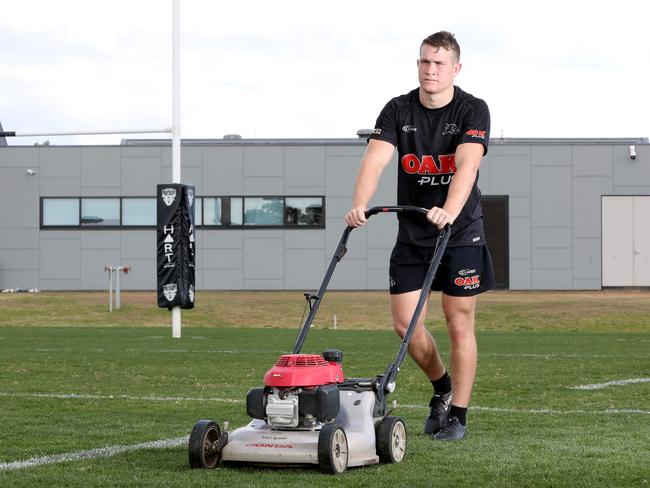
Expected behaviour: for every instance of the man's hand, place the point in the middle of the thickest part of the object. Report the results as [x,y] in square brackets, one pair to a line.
[439,217]
[356,217]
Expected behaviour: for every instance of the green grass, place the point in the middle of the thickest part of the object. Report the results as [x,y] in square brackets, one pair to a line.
[627,311]
[137,384]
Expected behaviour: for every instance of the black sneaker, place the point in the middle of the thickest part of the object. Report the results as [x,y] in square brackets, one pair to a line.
[440,405]
[452,431]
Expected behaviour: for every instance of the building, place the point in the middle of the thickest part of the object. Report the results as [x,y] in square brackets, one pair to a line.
[562,214]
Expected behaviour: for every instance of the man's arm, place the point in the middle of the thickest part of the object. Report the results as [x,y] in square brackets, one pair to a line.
[378,155]
[468,159]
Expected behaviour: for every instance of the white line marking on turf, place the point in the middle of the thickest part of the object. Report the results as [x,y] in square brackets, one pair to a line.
[558,355]
[102,452]
[185,351]
[562,412]
[551,411]
[77,396]
[73,396]
[599,386]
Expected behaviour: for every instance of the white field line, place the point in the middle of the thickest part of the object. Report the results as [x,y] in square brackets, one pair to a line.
[185,351]
[76,396]
[542,411]
[176,351]
[558,355]
[237,351]
[599,386]
[102,452]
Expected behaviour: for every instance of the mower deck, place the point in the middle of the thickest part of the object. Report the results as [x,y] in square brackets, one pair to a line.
[258,443]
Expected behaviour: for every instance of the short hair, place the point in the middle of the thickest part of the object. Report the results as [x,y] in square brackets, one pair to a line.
[445,40]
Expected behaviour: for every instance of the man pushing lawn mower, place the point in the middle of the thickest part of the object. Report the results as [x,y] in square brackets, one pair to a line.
[441,134]
[309,411]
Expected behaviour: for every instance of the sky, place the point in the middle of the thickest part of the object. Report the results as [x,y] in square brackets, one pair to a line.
[303,69]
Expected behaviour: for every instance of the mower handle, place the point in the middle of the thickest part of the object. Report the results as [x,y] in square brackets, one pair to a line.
[395,208]
[314,300]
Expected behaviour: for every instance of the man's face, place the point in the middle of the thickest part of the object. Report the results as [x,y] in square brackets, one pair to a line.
[437,68]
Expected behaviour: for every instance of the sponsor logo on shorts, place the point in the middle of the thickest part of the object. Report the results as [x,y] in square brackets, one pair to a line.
[465,272]
[467,282]
[391,282]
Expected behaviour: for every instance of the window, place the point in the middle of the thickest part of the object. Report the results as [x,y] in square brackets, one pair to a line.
[236,211]
[100,211]
[60,211]
[303,211]
[263,211]
[209,211]
[212,211]
[138,211]
[198,211]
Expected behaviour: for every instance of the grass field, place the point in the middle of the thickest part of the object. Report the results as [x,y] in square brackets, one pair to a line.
[103,388]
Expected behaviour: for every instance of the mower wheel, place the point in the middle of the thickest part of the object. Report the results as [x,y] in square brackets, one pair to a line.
[332,449]
[205,445]
[391,440]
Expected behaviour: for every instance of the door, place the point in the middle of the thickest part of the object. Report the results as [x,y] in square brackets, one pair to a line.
[625,241]
[495,220]
[641,241]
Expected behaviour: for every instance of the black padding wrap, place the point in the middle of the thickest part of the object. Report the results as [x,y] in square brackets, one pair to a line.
[175,246]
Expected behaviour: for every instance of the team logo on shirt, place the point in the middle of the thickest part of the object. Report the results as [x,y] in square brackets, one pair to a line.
[450,129]
[476,134]
[376,132]
[409,128]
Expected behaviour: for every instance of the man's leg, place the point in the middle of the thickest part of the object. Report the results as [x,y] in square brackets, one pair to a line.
[459,313]
[422,348]
[424,351]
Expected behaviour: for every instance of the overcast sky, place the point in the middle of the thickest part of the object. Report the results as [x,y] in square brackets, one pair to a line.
[297,69]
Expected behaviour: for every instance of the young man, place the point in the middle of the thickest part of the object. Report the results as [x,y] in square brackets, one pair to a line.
[441,134]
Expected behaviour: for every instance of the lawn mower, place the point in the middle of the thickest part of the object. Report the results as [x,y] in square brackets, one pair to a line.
[307,412]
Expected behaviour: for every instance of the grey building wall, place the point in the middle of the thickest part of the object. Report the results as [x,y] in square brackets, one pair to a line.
[554,190]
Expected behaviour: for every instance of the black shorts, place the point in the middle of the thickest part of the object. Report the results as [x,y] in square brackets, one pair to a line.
[463,271]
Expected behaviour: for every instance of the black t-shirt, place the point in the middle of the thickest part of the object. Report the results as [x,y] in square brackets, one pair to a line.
[426,141]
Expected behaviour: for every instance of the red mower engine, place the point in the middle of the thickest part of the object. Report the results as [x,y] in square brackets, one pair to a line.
[301,391]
